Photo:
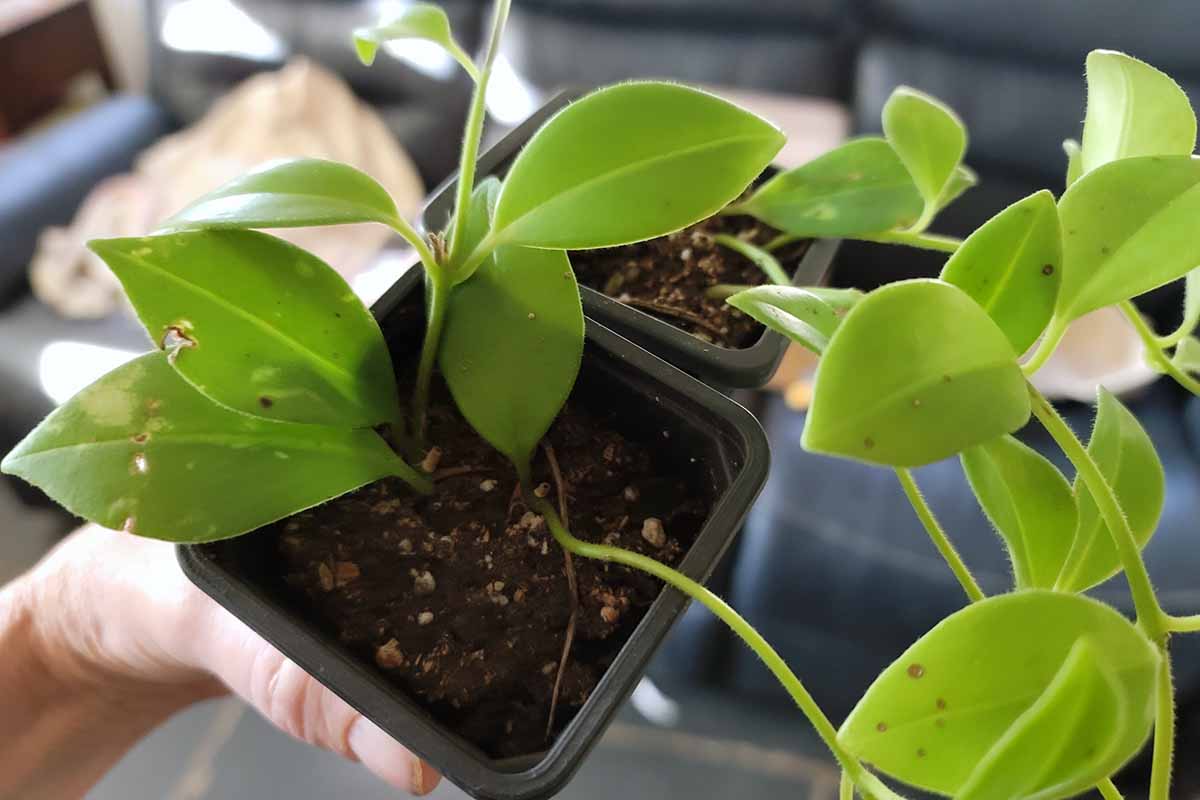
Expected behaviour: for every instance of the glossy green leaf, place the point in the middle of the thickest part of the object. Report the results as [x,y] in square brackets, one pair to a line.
[1187,355]
[1012,266]
[289,194]
[930,140]
[797,313]
[1030,504]
[259,325]
[631,162]
[1128,227]
[1074,161]
[916,372]
[1006,678]
[961,179]
[417,21]
[858,188]
[478,220]
[1127,458]
[1133,110]
[143,451]
[512,346]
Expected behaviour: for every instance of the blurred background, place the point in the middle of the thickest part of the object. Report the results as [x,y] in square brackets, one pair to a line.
[114,112]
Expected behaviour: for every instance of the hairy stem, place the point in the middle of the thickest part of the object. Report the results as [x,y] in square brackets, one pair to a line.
[474,131]
[760,258]
[938,535]
[846,787]
[1154,350]
[1046,347]
[1108,790]
[1150,615]
[1184,624]
[870,786]
[439,296]
[1164,731]
[410,235]
[924,241]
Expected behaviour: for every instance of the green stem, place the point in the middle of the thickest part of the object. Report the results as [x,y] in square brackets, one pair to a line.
[783,240]
[938,535]
[925,241]
[439,295]
[410,235]
[1184,624]
[1150,615]
[414,478]
[1164,731]
[760,257]
[868,784]
[474,132]
[1046,347]
[723,291]
[1154,350]
[846,787]
[1109,791]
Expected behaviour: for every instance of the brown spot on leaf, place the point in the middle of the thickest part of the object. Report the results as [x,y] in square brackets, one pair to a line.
[1048,269]
[265,401]
[881,727]
[916,671]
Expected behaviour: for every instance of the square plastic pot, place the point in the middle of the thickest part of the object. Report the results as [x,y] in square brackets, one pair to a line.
[652,398]
[724,367]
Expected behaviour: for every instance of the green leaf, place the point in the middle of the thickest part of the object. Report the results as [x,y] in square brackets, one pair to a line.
[858,188]
[961,179]
[631,162]
[1029,502]
[1191,301]
[417,21]
[512,346]
[1012,266]
[143,451]
[259,325]
[1128,227]
[1187,355]
[291,194]
[1005,679]
[1127,458]
[798,314]
[930,140]
[1133,110]
[1074,161]
[916,372]
[479,221]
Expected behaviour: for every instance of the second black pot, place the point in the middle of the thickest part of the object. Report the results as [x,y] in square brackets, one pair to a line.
[723,367]
[700,430]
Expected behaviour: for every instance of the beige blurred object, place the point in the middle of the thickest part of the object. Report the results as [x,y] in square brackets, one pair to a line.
[1099,349]
[813,125]
[301,110]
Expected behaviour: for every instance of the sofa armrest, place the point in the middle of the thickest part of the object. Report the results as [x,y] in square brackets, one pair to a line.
[44,178]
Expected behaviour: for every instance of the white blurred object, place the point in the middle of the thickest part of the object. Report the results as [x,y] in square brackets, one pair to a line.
[1099,349]
[510,98]
[218,26]
[655,706]
[66,367]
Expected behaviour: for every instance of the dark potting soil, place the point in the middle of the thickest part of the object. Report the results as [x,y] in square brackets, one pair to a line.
[668,276]
[461,597]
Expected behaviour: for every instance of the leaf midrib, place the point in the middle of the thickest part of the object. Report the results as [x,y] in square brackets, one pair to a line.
[301,443]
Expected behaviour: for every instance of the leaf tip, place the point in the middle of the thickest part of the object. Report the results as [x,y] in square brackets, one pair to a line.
[365,47]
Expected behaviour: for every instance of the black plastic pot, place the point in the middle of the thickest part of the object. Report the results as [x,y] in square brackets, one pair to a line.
[701,430]
[724,367]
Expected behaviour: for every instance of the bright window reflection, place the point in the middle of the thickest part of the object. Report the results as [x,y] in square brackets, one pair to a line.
[218,26]
[66,367]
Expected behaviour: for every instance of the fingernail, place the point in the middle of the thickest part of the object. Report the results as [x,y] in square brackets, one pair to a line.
[383,755]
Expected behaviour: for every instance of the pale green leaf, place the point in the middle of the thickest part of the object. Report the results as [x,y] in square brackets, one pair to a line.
[259,325]
[1003,677]
[1011,265]
[478,221]
[916,372]
[798,314]
[288,194]
[1187,355]
[858,188]
[1128,227]
[1133,110]
[512,346]
[961,179]
[930,140]
[1074,161]
[631,162]
[1127,458]
[417,21]
[1029,502]
[143,451]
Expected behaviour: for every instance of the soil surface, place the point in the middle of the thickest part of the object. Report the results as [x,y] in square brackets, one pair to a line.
[667,277]
[461,598]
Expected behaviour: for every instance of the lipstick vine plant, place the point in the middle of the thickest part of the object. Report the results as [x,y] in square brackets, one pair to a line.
[273,385]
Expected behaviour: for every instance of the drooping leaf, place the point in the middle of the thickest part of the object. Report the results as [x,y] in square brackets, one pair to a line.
[1127,458]
[1012,266]
[858,188]
[259,325]
[512,346]
[1004,677]
[290,194]
[1051,750]
[799,314]
[916,372]
[1187,355]
[1133,110]
[1074,161]
[417,21]
[930,140]
[1029,502]
[143,451]
[1128,227]
[631,162]
[961,179]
